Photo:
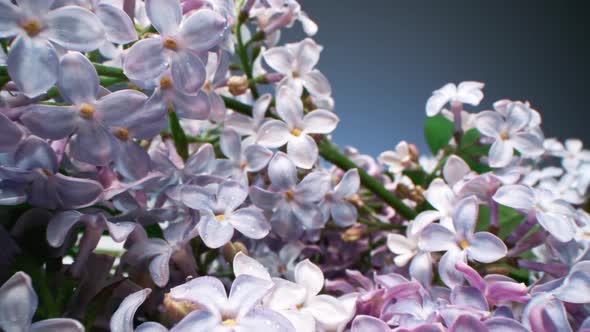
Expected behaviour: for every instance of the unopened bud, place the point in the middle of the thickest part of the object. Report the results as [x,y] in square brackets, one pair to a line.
[238,85]
[175,311]
[231,249]
[353,233]
[308,103]
[414,152]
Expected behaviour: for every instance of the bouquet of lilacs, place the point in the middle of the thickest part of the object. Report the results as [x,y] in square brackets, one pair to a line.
[166,165]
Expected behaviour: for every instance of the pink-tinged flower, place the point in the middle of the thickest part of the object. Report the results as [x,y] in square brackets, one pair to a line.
[272,15]
[544,312]
[294,206]
[295,129]
[397,160]
[461,241]
[335,203]
[509,131]
[220,213]
[33,61]
[101,125]
[466,93]
[18,303]
[61,225]
[32,172]
[240,311]
[296,62]
[553,214]
[181,47]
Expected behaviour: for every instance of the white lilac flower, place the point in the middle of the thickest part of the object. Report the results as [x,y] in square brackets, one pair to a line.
[295,129]
[240,311]
[335,202]
[406,249]
[461,241]
[397,160]
[294,206]
[572,153]
[220,213]
[296,62]
[18,303]
[553,214]
[509,131]
[98,122]
[33,61]
[249,126]
[281,263]
[182,46]
[466,93]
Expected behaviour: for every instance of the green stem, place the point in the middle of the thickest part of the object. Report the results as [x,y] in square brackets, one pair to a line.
[242,52]
[178,136]
[103,70]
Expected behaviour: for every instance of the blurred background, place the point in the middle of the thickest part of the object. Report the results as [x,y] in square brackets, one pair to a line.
[385,57]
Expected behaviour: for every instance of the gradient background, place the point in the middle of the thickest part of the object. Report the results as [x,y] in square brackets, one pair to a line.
[385,57]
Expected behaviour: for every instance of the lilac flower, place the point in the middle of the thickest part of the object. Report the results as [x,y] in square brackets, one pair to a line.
[158,253]
[61,225]
[249,126]
[18,303]
[295,130]
[293,205]
[406,249]
[362,323]
[281,263]
[94,120]
[572,153]
[181,47]
[460,241]
[33,170]
[243,156]
[237,312]
[554,215]
[544,312]
[220,214]
[443,199]
[397,160]
[335,202]
[296,62]
[509,132]
[36,27]
[466,93]
[273,15]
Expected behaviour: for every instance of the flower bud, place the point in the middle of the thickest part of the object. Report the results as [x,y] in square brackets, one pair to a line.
[174,311]
[414,152]
[353,233]
[233,248]
[238,85]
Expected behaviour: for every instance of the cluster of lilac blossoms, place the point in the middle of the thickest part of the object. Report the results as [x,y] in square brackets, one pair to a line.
[167,165]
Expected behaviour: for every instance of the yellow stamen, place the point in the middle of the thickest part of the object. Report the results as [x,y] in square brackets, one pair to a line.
[299,306]
[229,322]
[282,268]
[122,134]
[220,217]
[170,44]
[87,111]
[31,27]
[503,136]
[47,172]
[296,132]
[289,195]
[165,83]
[463,244]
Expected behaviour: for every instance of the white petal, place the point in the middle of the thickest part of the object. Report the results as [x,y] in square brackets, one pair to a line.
[501,153]
[75,28]
[303,151]
[279,59]
[320,122]
[28,56]
[310,276]
[165,15]
[516,196]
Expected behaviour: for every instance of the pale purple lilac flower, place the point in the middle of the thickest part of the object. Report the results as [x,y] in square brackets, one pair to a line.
[243,156]
[461,241]
[295,129]
[96,121]
[18,303]
[181,47]
[553,214]
[294,206]
[509,131]
[279,263]
[335,203]
[33,60]
[466,93]
[397,160]
[221,215]
[32,171]
[249,126]
[296,62]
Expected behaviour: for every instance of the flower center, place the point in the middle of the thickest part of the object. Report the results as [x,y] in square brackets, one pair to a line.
[296,132]
[47,172]
[87,111]
[299,306]
[229,322]
[207,86]
[243,165]
[463,244]
[220,217]
[165,83]
[289,195]
[122,134]
[282,268]
[170,44]
[503,136]
[31,27]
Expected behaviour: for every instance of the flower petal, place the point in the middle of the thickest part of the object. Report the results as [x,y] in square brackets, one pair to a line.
[60,225]
[310,276]
[320,122]
[316,83]
[516,196]
[118,26]
[145,60]
[76,193]
[75,28]
[194,107]
[273,134]
[230,195]
[18,302]
[246,292]
[364,323]
[32,56]
[10,134]
[47,121]
[279,59]
[289,107]
[122,319]
[257,157]
[208,292]
[78,81]
[57,325]
[251,222]
[10,16]
[467,323]
[469,92]
[489,123]
[203,30]
[343,213]
[188,72]
[231,145]
[303,151]
[528,144]
[435,237]
[486,248]
[92,143]
[501,153]
[213,232]
[243,264]
[465,217]
[282,172]
[164,15]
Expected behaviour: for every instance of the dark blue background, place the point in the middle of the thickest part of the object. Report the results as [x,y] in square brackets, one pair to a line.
[385,57]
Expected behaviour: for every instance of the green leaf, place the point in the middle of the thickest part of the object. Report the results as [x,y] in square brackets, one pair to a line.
[438,131]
